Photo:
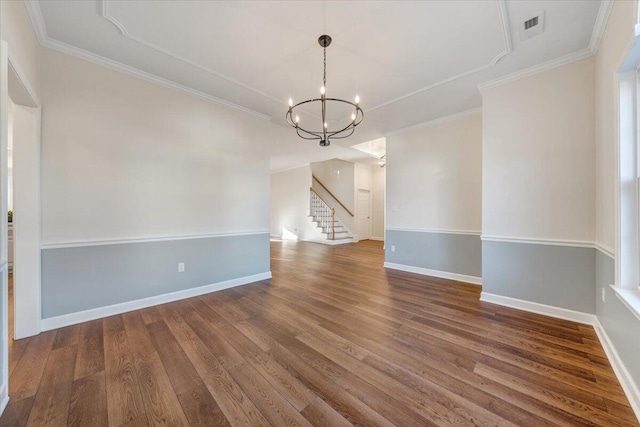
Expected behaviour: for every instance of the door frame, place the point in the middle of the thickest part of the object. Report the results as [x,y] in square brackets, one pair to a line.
[370,211]
[27,296]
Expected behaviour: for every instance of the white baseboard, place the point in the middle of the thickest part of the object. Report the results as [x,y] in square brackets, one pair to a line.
[380,239]
[435,273]
[4,397]
[110,310]
[535,307]
[631,389]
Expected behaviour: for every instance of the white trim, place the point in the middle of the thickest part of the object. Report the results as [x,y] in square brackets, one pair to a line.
[630,298]
[594,43]
[328,242]
[20,75]
[98,242]
[35,14]
[4,396]
[435,273]
[37,20]
[536,69]
[151,78]
[600,25]
[110,310]
[104,12]
[376,238]
[534,307]
[631,389]
[435,230]
[535,241]
[605,250]
[438,121]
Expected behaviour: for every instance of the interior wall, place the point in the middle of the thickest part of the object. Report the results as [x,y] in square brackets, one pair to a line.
[290,205]
[378,183]
[617,320]
[128,166]
[433,190]
[539,188]
[17,31]
[339,177]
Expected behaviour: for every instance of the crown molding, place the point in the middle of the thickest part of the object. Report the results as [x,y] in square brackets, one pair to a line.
[35,14]
[438,121]
[37,20]
[104,12]
[594,43]
[600,25]
[536,69]
[506,34]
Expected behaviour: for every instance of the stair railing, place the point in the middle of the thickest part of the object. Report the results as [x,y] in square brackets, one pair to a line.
[332,195]
[323,214]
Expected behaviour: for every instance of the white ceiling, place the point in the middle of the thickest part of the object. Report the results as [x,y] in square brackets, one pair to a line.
[410,61]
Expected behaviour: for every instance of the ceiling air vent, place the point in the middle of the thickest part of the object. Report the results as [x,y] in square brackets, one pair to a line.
[534,26]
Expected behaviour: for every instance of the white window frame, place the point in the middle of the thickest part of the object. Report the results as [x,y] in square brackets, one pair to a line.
[627,285]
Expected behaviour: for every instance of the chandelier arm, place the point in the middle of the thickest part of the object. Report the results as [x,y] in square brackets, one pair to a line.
[353,129]
[315,135]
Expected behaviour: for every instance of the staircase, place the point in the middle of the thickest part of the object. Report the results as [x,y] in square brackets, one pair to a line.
[323,217]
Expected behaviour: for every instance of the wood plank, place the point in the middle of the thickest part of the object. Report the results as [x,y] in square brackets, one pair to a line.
[182,374]
[27,375]
[51,404]
[160,400]
[276,409]
[90,350]
[201,408]
[124,399]
[88,404]
[67,336]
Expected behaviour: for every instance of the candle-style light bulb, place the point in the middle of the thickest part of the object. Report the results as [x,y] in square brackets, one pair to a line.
[322,90]
[297,119]
[325,125]
[290,102]
[353,116]
[357,99]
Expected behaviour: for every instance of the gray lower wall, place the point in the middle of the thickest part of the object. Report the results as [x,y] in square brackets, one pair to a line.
[453,253]
[621,326]
[560,276]
[82,278]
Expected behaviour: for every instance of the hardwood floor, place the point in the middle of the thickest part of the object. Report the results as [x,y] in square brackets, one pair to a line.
[333,339]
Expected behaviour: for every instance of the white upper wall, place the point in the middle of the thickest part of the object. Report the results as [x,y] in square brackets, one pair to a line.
[539,156]
[613,49]
[16,29]
[434,177]
[123,158]
[378,183]
[339,177]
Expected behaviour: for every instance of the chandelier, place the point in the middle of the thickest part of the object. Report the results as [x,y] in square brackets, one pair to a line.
[324,135]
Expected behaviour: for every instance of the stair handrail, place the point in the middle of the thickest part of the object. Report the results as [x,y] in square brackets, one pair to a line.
[332,195]
[323,220]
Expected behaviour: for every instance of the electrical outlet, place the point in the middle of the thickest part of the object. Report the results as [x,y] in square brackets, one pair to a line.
[393,248]
[181,267]
[603,295]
